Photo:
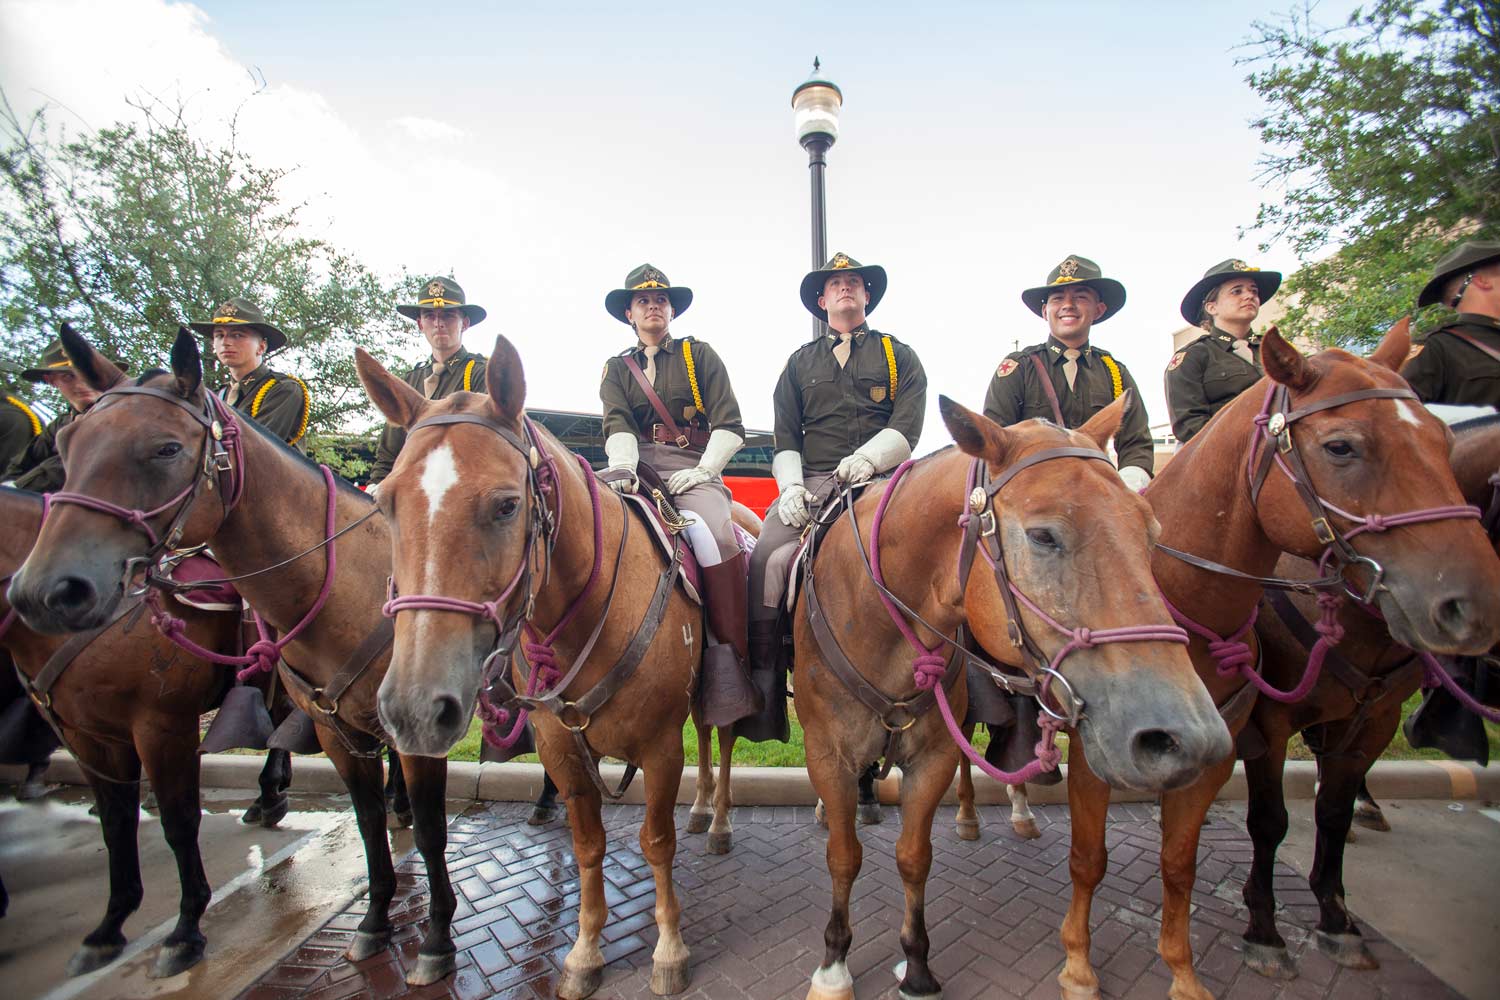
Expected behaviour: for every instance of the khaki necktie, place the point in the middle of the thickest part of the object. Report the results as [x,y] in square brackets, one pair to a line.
[651,353]
[430,383]
[1070,366]
[841,349]
[1242,348]
[232,394]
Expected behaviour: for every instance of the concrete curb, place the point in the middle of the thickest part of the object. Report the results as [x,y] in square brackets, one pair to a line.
[781,786]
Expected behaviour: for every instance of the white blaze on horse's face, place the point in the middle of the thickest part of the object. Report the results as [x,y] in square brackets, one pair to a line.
[439,475]
[1407,412]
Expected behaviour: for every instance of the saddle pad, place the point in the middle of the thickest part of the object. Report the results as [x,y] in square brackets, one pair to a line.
[689,574]
[215,597]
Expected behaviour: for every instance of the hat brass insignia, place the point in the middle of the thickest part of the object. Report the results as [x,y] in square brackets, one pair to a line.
[841,261]
[227,309]
[435,289]
[1068,268]
[1239,265]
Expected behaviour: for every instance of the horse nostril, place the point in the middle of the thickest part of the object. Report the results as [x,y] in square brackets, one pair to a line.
[1452,615]
[69,593]
[1156,743]
[449,715]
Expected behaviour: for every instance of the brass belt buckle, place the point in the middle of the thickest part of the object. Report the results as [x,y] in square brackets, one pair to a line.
[682,441]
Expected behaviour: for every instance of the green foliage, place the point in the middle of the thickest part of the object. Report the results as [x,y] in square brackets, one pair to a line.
[1383,137]
[131,230]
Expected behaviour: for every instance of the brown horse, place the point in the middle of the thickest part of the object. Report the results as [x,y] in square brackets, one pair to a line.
[520,517]
[1357,703]
[1075,543]
[1373,451]
[167,447]
[126,699]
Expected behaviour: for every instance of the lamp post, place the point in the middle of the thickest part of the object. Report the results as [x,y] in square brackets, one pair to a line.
[816,103]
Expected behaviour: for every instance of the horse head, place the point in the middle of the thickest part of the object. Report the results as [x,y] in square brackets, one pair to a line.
[1075,544]
[463,512]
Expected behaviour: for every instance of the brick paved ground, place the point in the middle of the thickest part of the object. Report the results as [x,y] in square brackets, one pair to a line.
[754,919]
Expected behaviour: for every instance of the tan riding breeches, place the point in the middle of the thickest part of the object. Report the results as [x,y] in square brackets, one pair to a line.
[711,500]
[777,546]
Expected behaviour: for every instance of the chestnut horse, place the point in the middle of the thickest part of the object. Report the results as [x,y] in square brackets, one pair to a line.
[1075,543]
[125,699]
[1357,702]
[1366,446]
[531,541]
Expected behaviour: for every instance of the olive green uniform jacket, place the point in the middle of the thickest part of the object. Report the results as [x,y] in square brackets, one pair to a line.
[1204,376]
[627,410]
[19,425]
[826,412]
[1451,370]
[279,403]
[1016,394]
[464,373]
[39,467]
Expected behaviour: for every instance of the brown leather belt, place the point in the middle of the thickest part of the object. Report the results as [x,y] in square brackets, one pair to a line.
[691,437]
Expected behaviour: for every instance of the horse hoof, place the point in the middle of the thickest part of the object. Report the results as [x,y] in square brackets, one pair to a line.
[366,945]
[967,829]
[669,978]
[1026,829]
[30,791]
[1071,992]
[576,985]
[1271,961]
[270,817]
[720,843]
[430,968]
[1347,950]
[901,991]
[93,956]
[832,983]
[149,802]
[1350,837]
[698,822]
[540,816]
[820,814]
[399,820]
[252,814]
[175,959]
[869,814]
[1371,818]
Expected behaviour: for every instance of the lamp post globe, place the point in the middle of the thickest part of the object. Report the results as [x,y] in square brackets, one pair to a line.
[815,104]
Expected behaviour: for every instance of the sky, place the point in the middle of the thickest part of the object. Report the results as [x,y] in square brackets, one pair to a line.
[538,152]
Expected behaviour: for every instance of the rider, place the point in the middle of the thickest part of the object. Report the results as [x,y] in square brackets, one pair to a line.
[38,467]
[669,405]
[1460,362]
[848,406]
[19,424]
[443,315]
[241,340]
[1225,361]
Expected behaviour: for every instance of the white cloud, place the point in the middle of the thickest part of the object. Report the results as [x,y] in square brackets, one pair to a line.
[428,128]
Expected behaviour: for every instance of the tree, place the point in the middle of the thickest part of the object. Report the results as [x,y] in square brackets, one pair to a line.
[1383,137]
[128,231]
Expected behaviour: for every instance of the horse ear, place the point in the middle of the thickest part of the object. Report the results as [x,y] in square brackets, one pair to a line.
[1284,363]
[399,402]
[187,363]
[1394,346]
[506,380]
[95,369]
[974,433]
[1106,423]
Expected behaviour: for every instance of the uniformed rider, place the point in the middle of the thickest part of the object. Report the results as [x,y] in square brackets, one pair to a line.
[242,340]
[1460,362]
[39,467]
[1225,361]
[669,405]
[19,424]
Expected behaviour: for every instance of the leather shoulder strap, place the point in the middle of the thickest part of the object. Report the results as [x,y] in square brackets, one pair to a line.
[1041,370]
[651,396]
[1475,343]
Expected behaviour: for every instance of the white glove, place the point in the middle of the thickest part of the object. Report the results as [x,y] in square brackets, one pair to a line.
[1135,477]
[721,447]
[624,454]
[883,452]
[791,506]
[372,491]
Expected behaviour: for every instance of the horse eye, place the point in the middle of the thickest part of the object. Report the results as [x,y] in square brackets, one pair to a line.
[1043,537]
[169,450]
[1339,449]
[507,509]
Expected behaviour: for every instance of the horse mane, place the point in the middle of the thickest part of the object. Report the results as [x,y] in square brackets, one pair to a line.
[1476,423]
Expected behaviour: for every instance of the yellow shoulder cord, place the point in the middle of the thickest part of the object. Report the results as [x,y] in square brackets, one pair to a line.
[259,396]
[36,423]
[469,375]
[687,358]
[890,363]
[1116,383]
[306,405]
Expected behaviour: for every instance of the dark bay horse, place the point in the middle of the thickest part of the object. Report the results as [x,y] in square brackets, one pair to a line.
[1366,447]
[127,698]
[1075,543]
[531,541]
[1357,702]
[170,459]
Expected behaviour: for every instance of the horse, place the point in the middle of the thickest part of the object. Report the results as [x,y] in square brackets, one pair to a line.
[1064,538]
[1357,703]
[596,600]
[1299,463]
[121,696]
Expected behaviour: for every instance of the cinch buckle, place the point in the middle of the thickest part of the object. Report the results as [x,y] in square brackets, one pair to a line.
[903,708]
[317,700]
[1324,531]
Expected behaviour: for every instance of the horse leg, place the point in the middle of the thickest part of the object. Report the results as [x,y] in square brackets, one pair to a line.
[583,969]
[869,804]
[1182,815]
[1266,819]
[397,801]
[361,776]
[701,815]
[1367,812]
[545,809]
[967,823]
[669,962]
[832,981]
[922,786]
[1088,806]
[1022,820]
[173,770]
[119,819]
[272,805]
[721,831]
[1336,934]
[427,784]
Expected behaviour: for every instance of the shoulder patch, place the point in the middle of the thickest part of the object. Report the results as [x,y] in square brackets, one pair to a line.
[1006,367]
[1176,360]
[604,374]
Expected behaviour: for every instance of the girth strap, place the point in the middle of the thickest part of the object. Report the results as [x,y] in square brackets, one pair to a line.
[325,699]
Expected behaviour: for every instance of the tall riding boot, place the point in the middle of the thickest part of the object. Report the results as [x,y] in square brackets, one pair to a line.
[768,674]
[725,694]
